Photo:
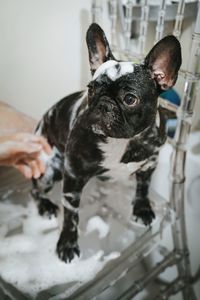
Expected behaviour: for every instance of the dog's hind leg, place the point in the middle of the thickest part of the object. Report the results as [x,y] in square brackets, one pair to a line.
[43,185]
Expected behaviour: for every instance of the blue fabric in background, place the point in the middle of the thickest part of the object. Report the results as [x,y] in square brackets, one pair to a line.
[172,96]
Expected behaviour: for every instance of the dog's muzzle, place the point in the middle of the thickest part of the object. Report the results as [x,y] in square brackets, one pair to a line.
[105,107]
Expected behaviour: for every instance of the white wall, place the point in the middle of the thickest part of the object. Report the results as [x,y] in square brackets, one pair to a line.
[43,55]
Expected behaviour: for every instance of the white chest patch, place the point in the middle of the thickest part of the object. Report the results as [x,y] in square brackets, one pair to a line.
[114,69]
[113,151]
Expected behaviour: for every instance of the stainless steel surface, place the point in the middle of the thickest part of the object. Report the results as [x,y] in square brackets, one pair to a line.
[115,209]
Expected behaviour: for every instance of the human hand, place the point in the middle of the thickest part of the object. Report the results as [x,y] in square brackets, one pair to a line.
[22,151]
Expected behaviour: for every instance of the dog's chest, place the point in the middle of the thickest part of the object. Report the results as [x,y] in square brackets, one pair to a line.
[113,151]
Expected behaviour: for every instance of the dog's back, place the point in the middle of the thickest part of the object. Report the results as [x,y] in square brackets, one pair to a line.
[58,121]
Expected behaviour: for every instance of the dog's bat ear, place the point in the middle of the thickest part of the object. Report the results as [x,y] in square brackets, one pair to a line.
[98,47]
[164,61]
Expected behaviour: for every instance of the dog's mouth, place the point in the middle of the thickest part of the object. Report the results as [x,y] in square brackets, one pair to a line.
[103,123]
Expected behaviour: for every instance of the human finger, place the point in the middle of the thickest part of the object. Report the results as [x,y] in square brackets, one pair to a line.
[41,165]
[35,139]
[40,140]
[11,152]
[35,169]
[24,169]
[45,145]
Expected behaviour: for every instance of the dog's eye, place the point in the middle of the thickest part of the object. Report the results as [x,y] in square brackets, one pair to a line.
[131,100]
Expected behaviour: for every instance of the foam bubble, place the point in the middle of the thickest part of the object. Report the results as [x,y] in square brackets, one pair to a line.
[29,261]
[109,68]
[44,157]
[97,223]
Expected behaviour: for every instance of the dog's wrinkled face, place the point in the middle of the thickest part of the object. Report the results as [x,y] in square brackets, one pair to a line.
[122,97]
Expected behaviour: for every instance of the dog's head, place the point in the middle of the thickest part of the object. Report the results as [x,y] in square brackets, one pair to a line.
[122,96]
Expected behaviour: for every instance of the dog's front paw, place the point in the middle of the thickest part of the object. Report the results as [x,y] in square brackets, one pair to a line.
[46,207]
[142,209]
[67,247]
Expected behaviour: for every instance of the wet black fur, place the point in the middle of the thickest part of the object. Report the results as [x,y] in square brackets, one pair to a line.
[102,114]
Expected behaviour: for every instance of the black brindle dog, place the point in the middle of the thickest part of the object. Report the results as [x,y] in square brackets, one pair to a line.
[116,125]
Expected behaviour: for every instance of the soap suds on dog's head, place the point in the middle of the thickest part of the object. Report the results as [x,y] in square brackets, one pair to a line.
[114,69]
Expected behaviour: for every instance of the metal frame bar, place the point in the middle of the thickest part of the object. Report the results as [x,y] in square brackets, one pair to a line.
[96,10]
[143,26]
[128,25]
[177,190]
[179,19]
[113,17]
[160,21]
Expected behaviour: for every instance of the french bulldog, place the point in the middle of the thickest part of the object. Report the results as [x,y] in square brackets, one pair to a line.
[116,125]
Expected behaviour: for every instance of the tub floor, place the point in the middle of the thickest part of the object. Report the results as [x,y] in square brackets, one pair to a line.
[29,267]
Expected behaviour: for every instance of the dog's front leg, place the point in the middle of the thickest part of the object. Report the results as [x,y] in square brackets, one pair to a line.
[67,246]
[141,205]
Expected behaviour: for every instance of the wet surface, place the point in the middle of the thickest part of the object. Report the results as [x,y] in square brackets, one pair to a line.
[29,267]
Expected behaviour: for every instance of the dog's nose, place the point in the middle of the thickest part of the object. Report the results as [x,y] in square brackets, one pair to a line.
[105,107]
